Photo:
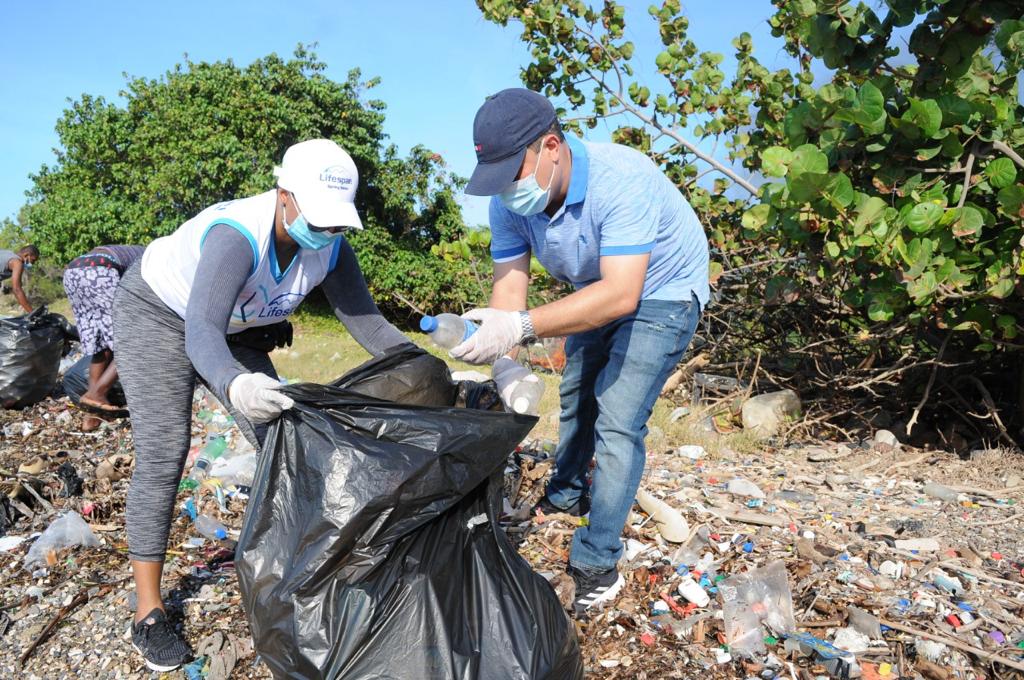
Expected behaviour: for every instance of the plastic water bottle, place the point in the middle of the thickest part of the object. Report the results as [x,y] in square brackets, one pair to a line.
[526,395]
[211,528]
[214,449]
[447,330]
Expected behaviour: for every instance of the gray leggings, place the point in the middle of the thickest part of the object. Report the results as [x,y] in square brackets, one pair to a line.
[158,381]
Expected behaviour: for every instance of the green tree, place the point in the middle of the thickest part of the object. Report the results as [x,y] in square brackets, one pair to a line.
[887,205]
[205,132]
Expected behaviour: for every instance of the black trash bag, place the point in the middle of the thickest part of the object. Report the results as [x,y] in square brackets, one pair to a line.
[371,546]
[76,382]
[30,350]
[405,375]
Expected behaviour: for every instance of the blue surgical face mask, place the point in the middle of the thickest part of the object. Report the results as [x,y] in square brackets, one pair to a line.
[306,238]
[525,197]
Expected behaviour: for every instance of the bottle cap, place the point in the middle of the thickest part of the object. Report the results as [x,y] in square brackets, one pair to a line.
[428,324]
[220,534]
[520,404]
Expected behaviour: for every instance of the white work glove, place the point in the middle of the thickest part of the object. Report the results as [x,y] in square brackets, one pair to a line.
[256,397]
[499,332]
[506,374]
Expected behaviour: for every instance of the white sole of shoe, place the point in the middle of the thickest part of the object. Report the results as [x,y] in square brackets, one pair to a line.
[608,595]
[155,666]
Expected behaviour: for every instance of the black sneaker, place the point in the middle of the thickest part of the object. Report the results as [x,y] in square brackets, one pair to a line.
[594,589]
[577,509]
[155,639]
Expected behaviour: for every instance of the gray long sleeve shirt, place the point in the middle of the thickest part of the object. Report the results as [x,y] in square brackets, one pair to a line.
[220,275]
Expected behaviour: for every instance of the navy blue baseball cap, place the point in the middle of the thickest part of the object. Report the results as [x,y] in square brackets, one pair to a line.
[505,125]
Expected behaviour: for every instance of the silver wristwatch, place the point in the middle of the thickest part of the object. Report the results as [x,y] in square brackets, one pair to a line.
[529,335]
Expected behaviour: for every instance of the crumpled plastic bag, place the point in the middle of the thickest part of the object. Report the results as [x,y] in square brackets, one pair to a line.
[760,596]
[30,350]
[64,532]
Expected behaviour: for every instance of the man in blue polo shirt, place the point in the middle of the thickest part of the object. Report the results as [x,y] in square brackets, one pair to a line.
[604,218]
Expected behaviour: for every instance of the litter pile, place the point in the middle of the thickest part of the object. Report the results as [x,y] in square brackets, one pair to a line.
[866,559]
[826,561]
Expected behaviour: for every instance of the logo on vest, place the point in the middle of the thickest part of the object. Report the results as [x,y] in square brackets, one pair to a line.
[336,177]
[278,308]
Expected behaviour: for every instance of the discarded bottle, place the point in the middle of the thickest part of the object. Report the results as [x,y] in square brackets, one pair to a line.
[211,528]
[743,487]
[692,591]
[943,493]
[447,330]
[521,390]
[214,449]
[526,395]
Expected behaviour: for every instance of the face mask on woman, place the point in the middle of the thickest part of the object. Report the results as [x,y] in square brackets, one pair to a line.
[307,236]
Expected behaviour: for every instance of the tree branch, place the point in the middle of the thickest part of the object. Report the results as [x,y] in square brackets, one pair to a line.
[967,180]
[1013,155]
[654,124]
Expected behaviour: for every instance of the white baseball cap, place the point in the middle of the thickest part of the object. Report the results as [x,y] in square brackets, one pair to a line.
[324,180]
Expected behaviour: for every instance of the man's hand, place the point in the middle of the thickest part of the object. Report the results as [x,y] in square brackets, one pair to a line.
[256,397]
[499,332]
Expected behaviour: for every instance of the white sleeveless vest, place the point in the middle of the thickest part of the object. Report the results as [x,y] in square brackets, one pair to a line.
[269,295]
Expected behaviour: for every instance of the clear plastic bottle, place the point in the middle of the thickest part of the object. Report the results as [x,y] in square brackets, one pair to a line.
[526,395]
[211,528]
[521,390]
[943,493]
[447,330]
[214,449]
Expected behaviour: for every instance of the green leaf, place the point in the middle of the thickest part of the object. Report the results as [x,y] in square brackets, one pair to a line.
[921,288]
[806,187]
[872,102]
[757,217]
[923,216]
[880,309]
[969,222]
[1011,199]
[839,190]
[869,212]
[955,110]
[808,159]
[925,114]
[832,248]
[1001,172]
[775,161]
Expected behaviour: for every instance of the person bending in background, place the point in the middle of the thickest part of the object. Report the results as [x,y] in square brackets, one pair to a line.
[14,265]
[90,282]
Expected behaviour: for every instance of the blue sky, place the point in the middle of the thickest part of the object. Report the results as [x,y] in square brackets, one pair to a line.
[437,60]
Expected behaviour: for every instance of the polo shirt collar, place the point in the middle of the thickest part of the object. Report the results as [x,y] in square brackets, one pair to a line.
[580,169]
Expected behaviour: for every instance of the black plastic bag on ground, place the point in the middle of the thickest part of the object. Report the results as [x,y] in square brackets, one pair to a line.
[371,546]
[76,382]
[30,350]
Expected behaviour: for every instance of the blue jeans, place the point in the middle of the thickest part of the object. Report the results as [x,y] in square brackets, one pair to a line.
[612,377]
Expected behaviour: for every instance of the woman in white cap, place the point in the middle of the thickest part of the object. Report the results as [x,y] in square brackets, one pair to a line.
[211,300]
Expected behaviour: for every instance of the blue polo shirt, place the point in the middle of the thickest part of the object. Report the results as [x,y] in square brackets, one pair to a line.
[618,203]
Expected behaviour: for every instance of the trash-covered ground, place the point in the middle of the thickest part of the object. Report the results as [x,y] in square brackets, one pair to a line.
[909,562]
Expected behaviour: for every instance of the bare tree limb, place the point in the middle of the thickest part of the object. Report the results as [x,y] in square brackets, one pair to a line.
[967,180]
[931,381]
[1010,153]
